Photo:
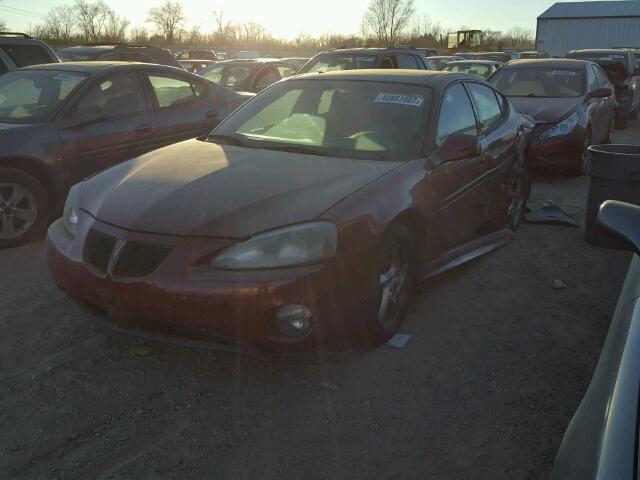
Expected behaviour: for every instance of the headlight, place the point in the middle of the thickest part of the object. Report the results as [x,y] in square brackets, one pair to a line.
[285,247]
[71,211]
[565,127]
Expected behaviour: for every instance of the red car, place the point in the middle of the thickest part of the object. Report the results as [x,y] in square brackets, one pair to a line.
[311,211]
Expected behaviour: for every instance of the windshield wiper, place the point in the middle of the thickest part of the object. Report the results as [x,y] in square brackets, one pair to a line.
[225,139]
[294,149]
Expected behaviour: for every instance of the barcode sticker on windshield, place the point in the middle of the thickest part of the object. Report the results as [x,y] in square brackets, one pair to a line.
[564,73]
[68,77]
[408,100]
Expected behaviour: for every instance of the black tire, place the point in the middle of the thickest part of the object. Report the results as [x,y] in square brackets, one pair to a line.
[34,198]
[581,164]
[398,248]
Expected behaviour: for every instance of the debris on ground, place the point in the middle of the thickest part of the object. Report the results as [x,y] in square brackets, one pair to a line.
[330,386]
[399,340]
[558,285]
[549,215]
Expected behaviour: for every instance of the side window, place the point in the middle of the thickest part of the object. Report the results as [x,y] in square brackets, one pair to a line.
[389,62]
[25,55]
[171,91]
[422,64]
[116,96]
[266,77]
[3,67]
[456,114]
[504,104]
[406,61]
[489,111]
[127,57]
[286,71]
[592,79]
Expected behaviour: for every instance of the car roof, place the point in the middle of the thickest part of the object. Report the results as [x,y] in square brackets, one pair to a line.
[372,50]
[417,77]
[479,61]
[96,67]
[601,50]
[548,62]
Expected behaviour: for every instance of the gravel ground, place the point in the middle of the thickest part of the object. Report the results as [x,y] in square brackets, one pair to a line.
[497,364]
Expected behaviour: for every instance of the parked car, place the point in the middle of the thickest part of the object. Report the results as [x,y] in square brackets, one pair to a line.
[198,55]
[572,102]
[602,439]
[440,61]
[366,58]
[533,54]
[19,50]
[60,123]
[311,211]
[479,68]
[623,72]
[248,75]
[430,52]
[119,53]
[195,66]
[298,61]
[501,57]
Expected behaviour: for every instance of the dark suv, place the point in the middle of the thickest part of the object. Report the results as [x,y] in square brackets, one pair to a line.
[60,123]
[119,53]
[19,50]
[620,66]
[197,55]
[365,58]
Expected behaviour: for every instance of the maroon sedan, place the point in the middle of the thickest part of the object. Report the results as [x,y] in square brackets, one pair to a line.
[572,103]
[311,211]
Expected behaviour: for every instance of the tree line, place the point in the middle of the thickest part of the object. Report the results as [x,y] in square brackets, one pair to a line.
[384,23]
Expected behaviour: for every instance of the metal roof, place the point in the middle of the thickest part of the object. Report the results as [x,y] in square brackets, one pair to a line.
[599,9]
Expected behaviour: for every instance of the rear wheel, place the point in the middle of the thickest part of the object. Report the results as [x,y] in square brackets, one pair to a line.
[24,208]
[582,163]
[395,279]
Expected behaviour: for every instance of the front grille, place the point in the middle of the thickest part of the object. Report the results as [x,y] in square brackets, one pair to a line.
[139,259]
[98,247]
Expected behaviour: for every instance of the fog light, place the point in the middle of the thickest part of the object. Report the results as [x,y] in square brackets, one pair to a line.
[294,320]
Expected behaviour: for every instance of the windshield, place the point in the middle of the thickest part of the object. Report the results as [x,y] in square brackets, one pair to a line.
[31,96]
[231,76]
[351,119]
[328,62]
[540,82]
[477,69]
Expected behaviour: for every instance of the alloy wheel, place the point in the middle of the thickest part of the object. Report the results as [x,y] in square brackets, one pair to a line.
[394,283]
[18,210]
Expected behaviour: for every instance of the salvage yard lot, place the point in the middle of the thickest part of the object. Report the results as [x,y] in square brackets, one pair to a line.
[496,367]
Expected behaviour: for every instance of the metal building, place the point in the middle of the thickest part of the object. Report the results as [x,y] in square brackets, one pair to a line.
[602,24]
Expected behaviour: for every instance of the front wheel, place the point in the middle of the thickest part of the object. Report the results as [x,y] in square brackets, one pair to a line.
[395,279]
[24,208]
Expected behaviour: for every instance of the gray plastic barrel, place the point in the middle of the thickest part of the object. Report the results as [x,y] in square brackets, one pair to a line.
[615,175]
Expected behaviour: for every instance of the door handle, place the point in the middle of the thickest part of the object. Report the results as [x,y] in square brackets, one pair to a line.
[212,114]
[144,128]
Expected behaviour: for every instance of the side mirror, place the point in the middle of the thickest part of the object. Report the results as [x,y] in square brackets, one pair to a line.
[458,146]
[622,220]
[603,92]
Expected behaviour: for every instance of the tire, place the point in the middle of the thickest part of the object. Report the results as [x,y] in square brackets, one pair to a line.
[612,132]
[396,277]
[24,208]
[518,205]
[581,165]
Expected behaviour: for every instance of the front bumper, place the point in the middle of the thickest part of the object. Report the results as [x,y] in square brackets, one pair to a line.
[555,152]
[183,290]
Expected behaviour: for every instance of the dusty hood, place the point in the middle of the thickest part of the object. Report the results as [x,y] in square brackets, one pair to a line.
[546,110]
[198,188]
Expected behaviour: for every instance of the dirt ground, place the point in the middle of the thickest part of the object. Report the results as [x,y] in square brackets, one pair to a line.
[497,364]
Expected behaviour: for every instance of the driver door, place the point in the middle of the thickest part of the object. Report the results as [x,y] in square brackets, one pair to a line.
[110,123]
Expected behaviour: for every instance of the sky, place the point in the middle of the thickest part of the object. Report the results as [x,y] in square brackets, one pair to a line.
[288,18]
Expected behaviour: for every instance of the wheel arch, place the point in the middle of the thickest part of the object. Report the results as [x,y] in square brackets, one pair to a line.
[45,174]
[415,223]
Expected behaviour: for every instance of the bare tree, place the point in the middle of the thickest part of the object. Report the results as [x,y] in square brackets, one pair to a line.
[91,19]
[60,24]
[388,19]
[224,30]
[115,28]
[168,18]
[139,36]
[3,25]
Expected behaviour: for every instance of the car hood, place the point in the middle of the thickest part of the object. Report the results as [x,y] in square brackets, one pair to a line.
[203,189]
[546,110]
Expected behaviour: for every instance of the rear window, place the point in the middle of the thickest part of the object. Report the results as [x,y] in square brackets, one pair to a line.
[328,62]
[602,58]
[539,82]
[25,55]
